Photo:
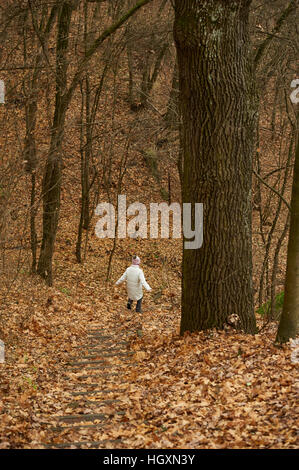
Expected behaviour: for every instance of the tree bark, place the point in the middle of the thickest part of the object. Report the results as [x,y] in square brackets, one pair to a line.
[31,109]
[218,106]
[289,321]
[52,176]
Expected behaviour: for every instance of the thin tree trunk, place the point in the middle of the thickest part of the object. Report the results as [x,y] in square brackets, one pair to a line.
[30,152]
[274,224]
[81,221]
[289,321]
[149,80]
[33,235]
[172,115]
[291,8]
[86,155]
[218,106]
[30,165]
[272,313]
[131,76]
[52,176]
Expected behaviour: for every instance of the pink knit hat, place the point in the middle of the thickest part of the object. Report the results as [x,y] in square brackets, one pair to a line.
[135,260]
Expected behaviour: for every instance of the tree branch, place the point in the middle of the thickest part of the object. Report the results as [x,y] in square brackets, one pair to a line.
[89,53]
[260,52]
[272,189]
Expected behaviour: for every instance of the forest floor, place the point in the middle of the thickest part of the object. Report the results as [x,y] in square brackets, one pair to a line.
[155,389]
[215,389]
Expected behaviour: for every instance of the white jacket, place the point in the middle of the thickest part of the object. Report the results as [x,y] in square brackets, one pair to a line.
[135,280]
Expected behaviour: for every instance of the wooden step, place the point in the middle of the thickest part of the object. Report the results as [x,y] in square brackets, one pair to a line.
[87,417]
[79,445]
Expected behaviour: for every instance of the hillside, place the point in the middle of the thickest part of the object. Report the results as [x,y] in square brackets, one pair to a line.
[142,384]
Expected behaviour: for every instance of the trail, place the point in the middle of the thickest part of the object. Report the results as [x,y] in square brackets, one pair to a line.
[96,379]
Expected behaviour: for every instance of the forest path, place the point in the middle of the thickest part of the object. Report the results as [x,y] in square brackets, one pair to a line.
[96,377]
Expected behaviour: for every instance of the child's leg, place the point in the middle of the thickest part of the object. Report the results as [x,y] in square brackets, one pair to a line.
[129,304]
[138,305]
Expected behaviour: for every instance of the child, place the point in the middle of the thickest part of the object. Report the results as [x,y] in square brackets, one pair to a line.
[135,280]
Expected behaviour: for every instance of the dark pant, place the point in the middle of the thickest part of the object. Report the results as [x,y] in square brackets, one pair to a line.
[138,305]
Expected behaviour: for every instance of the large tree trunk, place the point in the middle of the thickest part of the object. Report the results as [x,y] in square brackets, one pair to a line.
[218,114]
[289,321]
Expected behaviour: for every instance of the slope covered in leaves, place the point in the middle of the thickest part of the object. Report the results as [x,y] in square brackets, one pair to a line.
[207,390]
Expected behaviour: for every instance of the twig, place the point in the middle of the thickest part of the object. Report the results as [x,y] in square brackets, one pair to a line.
[272,189]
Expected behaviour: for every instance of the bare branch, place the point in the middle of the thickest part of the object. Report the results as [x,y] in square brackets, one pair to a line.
[261,50]
[272,189]
[89,53]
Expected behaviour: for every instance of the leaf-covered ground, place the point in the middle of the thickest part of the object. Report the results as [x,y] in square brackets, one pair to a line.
[215,389]
[207,390]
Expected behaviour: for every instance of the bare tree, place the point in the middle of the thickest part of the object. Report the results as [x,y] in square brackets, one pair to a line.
[289,322]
